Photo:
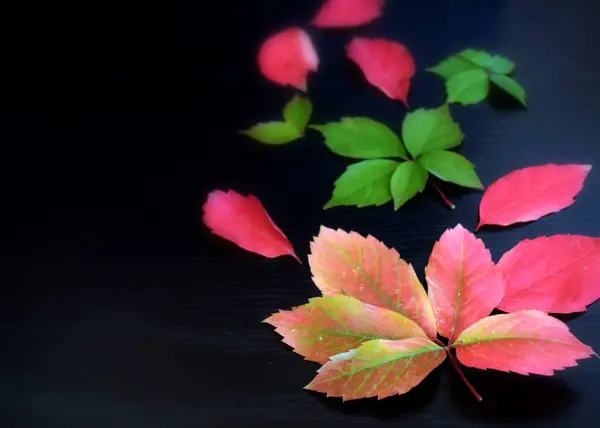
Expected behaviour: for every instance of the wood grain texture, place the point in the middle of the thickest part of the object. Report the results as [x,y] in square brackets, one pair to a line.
[119,310]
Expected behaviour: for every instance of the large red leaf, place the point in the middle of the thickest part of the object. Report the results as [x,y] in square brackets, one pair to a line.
[464,283]
[525,342]
[530,193]
[378,368]
[386,64]
[347,13]
[559,274]
[244,221]
[327,326]
[287,57]
[364,268]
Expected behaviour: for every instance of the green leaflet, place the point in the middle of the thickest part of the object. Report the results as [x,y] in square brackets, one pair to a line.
[452,167]
[361,138]
[297,112]
[296,115]
[428,130]
[511,86]
[468,73]
[274,133]
[408,179]
[468,87]
[363,184]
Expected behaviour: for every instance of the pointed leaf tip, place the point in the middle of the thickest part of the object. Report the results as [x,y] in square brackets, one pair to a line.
[287,57]
[386,64]
[244,221]
[347,13]
[530,193]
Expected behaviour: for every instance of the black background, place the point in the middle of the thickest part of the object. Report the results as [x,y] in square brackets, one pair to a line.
[118,309]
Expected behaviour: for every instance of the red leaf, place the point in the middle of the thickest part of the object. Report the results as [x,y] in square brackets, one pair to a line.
[347,13]
[464,283]
[364,268]
[525,342]
[327,326]
[287,57]
[244,221]
[559,274]
[378,368]
[386,64]
[530,193]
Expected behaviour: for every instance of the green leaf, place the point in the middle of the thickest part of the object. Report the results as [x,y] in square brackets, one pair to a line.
[363,184]
[452,167]
[468,87]
[297,112]
[275,133]
[408,180]
[495,64]
[452,66]
[511,86]
[361,138]
[430,130]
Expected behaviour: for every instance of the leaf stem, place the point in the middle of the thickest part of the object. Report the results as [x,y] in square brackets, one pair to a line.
[462,375]
[444,198]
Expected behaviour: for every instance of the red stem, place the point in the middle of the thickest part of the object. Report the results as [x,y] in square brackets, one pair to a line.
[444,198]
[462,375]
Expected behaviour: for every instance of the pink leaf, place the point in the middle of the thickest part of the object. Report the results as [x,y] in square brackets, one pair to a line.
[386,64]
[464,283]
[530,193]
[364,268]
[244,221]
[287,57]
[347,13]
[525,342]
[559,274]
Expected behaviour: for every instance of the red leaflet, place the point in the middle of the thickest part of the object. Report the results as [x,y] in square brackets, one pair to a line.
[378,368]
[347,13]
[464,283]
[287,57]
[526,342]
[364,268]
[327,326]
[530,193]
[244,221]
[386,64]
[559,274]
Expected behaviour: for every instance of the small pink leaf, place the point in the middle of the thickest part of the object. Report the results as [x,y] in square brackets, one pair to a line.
[525,342]
[559,274]
[464,283]
[326,326]
[287,57]
[364,268]
[347,13]
[386,64]
[378,368]
[530,193]
[244,221]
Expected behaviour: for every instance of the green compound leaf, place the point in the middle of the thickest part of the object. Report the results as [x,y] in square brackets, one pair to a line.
[363,184]
[361,138]
[428,130]
[274,133]
[297,112]
[511,86]
[451,167]
[408,180]
[468,87]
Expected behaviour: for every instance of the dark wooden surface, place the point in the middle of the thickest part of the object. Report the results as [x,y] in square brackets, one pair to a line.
[118,309]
